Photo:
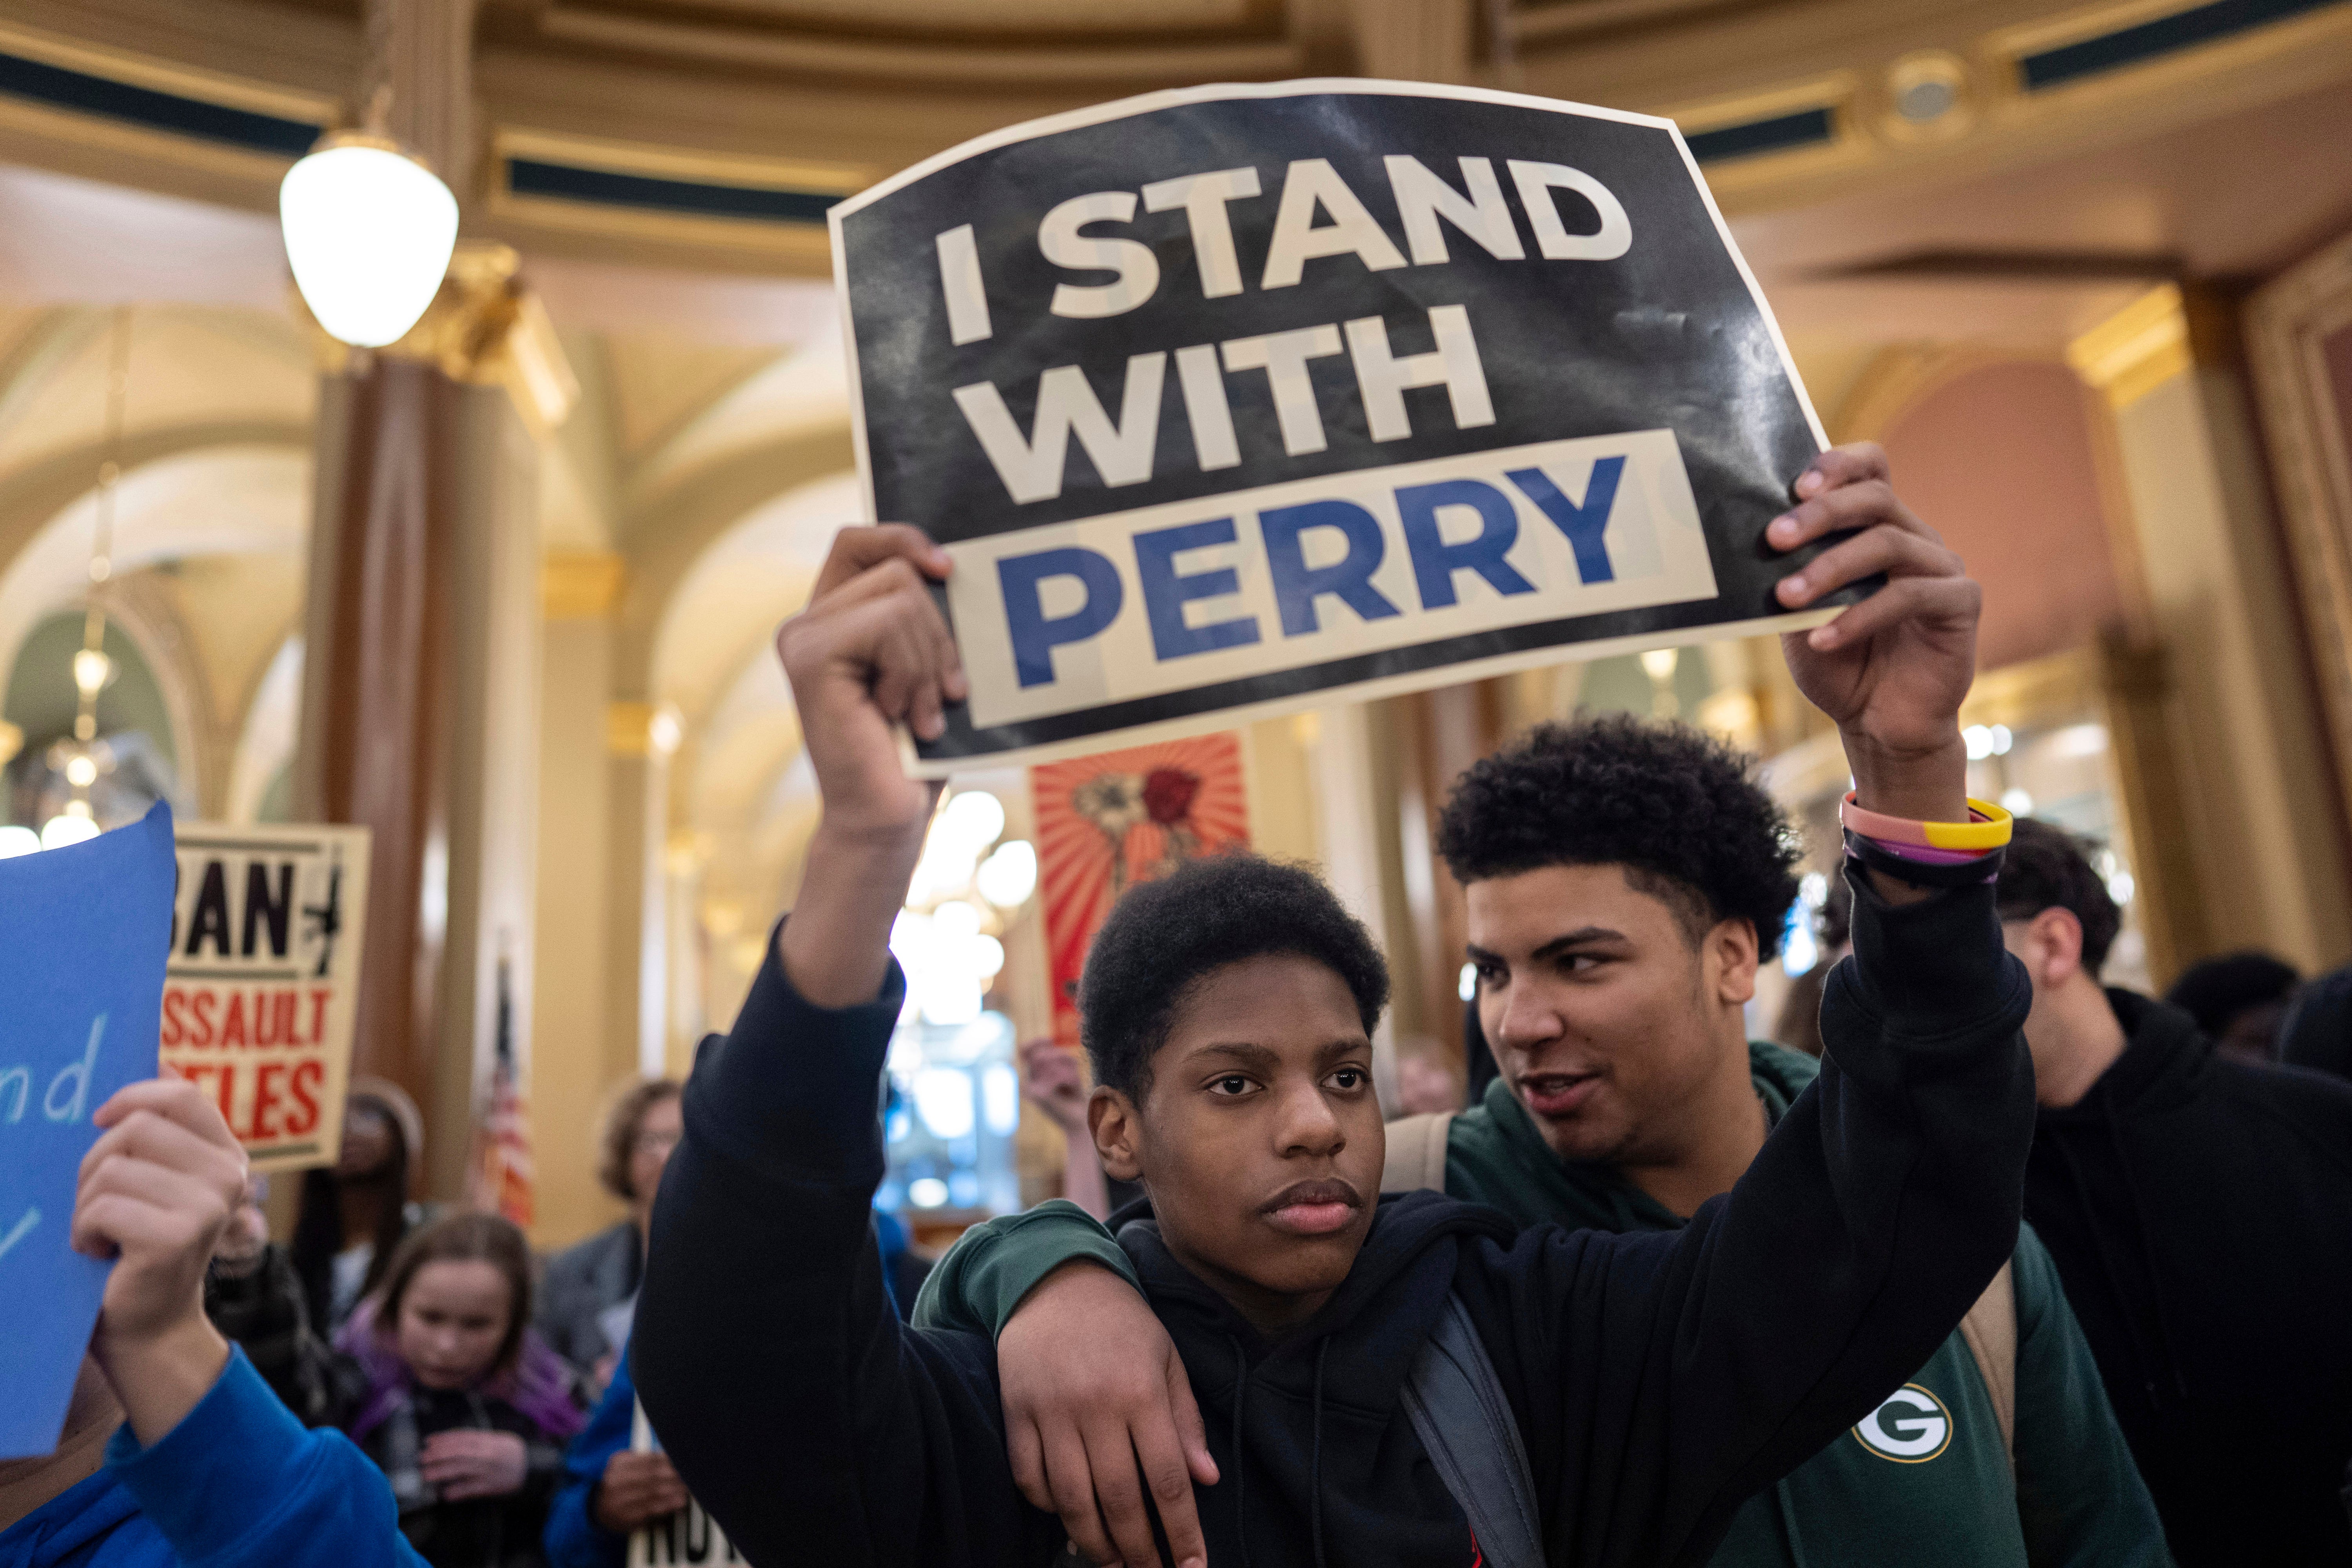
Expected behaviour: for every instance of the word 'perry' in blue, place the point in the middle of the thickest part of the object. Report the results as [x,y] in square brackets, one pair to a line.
[1166,593]
[1036,634]
[1296,585]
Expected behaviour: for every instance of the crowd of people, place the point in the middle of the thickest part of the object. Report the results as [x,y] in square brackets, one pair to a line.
[1980,1262]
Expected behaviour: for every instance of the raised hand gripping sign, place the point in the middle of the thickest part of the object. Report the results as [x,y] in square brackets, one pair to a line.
[1226,398]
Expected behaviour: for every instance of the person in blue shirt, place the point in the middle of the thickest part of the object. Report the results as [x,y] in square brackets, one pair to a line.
[175,1454]
[608,1491]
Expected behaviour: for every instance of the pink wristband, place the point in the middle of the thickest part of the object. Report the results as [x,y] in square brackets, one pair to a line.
[1988,828]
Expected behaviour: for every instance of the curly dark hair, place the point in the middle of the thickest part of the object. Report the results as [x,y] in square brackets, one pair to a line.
[1680,810]
[2045,868]
[1164,937]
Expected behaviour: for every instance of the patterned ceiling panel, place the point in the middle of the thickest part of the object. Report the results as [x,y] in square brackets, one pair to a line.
[992,18]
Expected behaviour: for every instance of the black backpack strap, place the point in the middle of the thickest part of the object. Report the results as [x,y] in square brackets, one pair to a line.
[1466,1428]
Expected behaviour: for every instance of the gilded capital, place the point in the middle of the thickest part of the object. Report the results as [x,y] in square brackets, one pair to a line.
[486,327]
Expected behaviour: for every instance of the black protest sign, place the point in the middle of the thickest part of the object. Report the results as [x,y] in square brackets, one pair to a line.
[1224,399]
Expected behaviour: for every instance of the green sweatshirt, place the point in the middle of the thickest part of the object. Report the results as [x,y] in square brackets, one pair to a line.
[1880,1495]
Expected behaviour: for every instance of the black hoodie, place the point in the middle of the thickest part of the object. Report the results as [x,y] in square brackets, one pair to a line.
[1657,1379]
[2201,1213]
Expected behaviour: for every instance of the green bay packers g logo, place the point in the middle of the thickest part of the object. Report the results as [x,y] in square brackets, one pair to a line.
[1910,1428]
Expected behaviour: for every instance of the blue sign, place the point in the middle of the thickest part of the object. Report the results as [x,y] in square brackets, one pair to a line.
[84,932]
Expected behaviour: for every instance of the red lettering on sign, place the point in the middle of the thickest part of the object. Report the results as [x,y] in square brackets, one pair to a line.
[174,1000]
[304,1117]
[202,1005]
[266,1098]
[233,1025]
[319,1015]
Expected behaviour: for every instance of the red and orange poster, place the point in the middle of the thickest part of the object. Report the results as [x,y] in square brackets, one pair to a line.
[1107,822]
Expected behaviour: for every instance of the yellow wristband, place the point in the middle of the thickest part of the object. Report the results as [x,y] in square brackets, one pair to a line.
[1990,830]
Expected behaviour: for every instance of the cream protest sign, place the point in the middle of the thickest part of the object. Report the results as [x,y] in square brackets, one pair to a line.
[262,988]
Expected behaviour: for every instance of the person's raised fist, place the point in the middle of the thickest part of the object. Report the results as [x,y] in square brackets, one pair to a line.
[870,652]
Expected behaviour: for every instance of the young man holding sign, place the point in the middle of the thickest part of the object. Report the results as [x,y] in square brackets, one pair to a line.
[1615,954]
[1640,1387]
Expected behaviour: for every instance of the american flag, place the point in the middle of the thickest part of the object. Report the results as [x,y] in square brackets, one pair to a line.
[501,1177]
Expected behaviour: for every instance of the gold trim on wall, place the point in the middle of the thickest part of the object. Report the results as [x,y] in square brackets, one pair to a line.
[580,584]
[2137,348]
[628,727]
[2287,323]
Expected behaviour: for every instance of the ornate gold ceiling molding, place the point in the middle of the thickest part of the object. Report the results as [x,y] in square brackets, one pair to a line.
[2090,73]
[169,76]
[1539,23]
[669,196]
[112,136]
[1964,87]
[961,19]
[1805,128]
[975,64]
[2029,49]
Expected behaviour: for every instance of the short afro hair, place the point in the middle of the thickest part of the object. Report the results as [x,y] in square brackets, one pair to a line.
[1164,937]
[2047,868]
[1678,809]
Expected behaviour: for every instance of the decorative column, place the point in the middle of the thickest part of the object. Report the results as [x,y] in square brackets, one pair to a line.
[423,622]
[2232,718]
[420,689]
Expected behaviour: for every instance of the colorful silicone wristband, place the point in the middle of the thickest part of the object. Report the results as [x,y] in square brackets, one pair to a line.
[1974,871]
[1989,831]
[1920,855]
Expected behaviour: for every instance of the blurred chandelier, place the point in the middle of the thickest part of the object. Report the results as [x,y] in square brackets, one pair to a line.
[369,229]
[83,758]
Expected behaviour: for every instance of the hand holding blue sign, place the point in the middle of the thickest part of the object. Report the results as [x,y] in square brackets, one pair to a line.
[156,1190]
[83,931]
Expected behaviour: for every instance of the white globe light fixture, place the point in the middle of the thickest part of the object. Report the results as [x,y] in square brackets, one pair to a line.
[369,230]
